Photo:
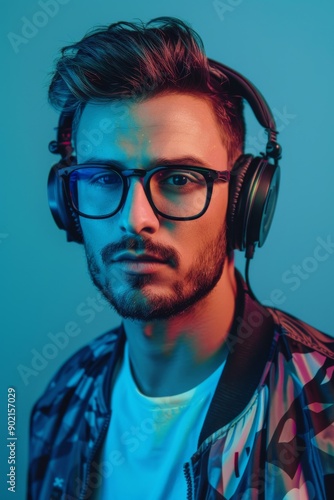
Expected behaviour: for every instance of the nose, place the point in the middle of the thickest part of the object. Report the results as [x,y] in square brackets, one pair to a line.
[137,215]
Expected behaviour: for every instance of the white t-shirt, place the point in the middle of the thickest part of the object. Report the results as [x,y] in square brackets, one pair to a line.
[150,438]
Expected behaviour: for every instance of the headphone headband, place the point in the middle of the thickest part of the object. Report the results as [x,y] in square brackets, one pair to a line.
[243,87]
[240,85]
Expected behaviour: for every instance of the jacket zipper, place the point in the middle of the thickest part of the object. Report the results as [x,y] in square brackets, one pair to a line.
[189,478]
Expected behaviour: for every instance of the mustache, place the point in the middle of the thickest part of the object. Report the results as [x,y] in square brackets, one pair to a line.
[163,252]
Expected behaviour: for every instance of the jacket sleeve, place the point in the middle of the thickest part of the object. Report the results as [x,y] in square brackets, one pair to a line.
[58,417]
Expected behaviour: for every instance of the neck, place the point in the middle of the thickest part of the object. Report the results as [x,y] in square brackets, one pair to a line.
[172,356]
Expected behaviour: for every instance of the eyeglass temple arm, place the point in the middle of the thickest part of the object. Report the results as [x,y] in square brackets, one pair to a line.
[224,176]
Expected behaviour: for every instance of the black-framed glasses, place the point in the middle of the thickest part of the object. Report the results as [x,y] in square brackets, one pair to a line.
[176,192]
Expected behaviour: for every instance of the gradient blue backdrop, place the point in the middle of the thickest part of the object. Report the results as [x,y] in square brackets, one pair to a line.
[285,48]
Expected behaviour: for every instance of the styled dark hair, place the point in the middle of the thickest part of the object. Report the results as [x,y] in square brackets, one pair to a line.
[141,60]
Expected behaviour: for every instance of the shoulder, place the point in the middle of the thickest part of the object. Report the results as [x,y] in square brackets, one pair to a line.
[72,409]
[81,368]
[288,330]
[297,332]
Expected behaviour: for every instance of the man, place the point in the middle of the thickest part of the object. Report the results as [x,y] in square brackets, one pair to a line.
[201,392]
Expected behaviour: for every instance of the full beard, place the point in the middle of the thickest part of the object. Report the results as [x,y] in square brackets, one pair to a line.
[138,303]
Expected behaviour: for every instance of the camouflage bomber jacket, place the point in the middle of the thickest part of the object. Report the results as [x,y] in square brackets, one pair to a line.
[269,431]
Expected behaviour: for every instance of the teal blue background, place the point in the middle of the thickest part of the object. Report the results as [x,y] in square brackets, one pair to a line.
[285,48]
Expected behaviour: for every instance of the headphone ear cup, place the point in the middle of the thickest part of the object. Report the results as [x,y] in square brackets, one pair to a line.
[253,194]
[61,210]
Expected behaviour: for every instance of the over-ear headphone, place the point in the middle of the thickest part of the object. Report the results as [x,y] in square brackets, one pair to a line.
[254,181]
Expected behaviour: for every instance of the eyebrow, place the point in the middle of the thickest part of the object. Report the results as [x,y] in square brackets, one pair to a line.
[161,161]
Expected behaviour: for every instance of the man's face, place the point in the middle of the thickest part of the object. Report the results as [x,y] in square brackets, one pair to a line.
[147,266]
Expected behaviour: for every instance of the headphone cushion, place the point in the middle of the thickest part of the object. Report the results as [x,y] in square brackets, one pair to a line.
[63,214]
[234,224]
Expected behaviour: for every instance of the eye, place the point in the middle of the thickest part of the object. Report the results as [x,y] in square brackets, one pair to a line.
[97,177]
[179,178]
[106,179]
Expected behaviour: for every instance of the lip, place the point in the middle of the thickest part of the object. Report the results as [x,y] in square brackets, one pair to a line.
[139,263]
[137,257]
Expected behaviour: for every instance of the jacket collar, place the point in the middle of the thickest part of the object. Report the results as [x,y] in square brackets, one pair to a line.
[249,343]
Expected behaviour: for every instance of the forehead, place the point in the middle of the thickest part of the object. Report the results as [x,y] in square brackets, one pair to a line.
[162,126]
